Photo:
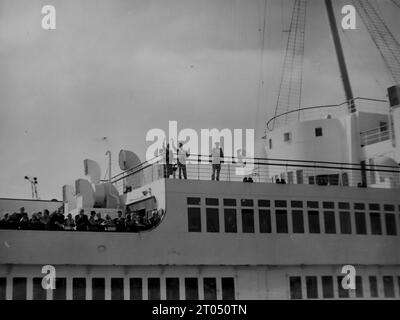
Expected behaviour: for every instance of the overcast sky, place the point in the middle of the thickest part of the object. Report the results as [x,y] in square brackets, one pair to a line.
[117,69]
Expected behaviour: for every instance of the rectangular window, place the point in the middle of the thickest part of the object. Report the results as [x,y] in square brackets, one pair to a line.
[313,222]
[361,225]
[345,222]
[359,206]
[210,288]
[327,287]
[287,136]
[212,201]
[376,227]
[280,203]
[248,220]
[38,292]
[153,287]
[299,176]
[343,293]
[19,289]
[329,222]
[212,219]
[60,293]
[230,220]
[296,204]
[295,288]
[172,285]
[230,202]
[193,201]
[374,207]
[345,179]
[117,288]
[388,207]
[318,132]
[264,203]
[312,204]
[390,223]
[136,288]
[264,217]
[228,288]
[328,205]
[344,205]
[78,288]
[373,286]
[359,287]
[312,287]
[398,283]
[194,220]
[246,202]
[281,221]
[3,286]
[290,178]
[98,288]
[388,286]
[298,222]
[191,289]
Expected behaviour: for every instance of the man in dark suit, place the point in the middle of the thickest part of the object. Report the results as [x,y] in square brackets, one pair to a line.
[81,221]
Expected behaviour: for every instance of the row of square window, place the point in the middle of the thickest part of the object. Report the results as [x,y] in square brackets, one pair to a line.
[327,283]
[172,287]
[196,201]
[281,219]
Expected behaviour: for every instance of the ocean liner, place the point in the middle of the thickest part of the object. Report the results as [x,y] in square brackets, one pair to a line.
[326,195]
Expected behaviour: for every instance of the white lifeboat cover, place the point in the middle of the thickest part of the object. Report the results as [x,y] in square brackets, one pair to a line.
[92,170]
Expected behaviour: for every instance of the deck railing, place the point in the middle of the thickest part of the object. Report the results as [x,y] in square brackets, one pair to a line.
[330,110]
[375,135]
[262,170]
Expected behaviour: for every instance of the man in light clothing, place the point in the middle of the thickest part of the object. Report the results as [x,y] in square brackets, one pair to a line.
[182,156]
[217,158]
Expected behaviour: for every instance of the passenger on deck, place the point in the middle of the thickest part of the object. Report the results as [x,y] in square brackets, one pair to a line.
[168,158]
[24,222]
[57,221]
[81,221]
[13,221]
[92,225]
[99,222]
[4,222]
[119,222]
[69,223]
[216,159]
[109,224]
[182,157]
[34,222]
[21,213]
[129,223]
[45,220]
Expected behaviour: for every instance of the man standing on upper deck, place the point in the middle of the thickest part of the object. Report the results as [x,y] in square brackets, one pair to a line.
[182,157]
[217,158]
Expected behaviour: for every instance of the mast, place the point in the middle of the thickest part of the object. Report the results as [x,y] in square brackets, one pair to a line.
[340,56]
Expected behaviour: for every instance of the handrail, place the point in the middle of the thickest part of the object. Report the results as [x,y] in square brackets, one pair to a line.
[280,162]
[320,107]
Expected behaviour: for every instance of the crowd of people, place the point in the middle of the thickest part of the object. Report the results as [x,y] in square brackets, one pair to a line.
[131,222]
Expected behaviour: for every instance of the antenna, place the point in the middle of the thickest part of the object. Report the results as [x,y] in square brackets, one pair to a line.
[109,165]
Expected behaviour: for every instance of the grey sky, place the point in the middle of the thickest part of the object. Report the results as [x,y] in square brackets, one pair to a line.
[120,68]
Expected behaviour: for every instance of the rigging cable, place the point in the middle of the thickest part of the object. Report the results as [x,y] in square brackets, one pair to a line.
[387,45]
[261,73]
[289,95]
